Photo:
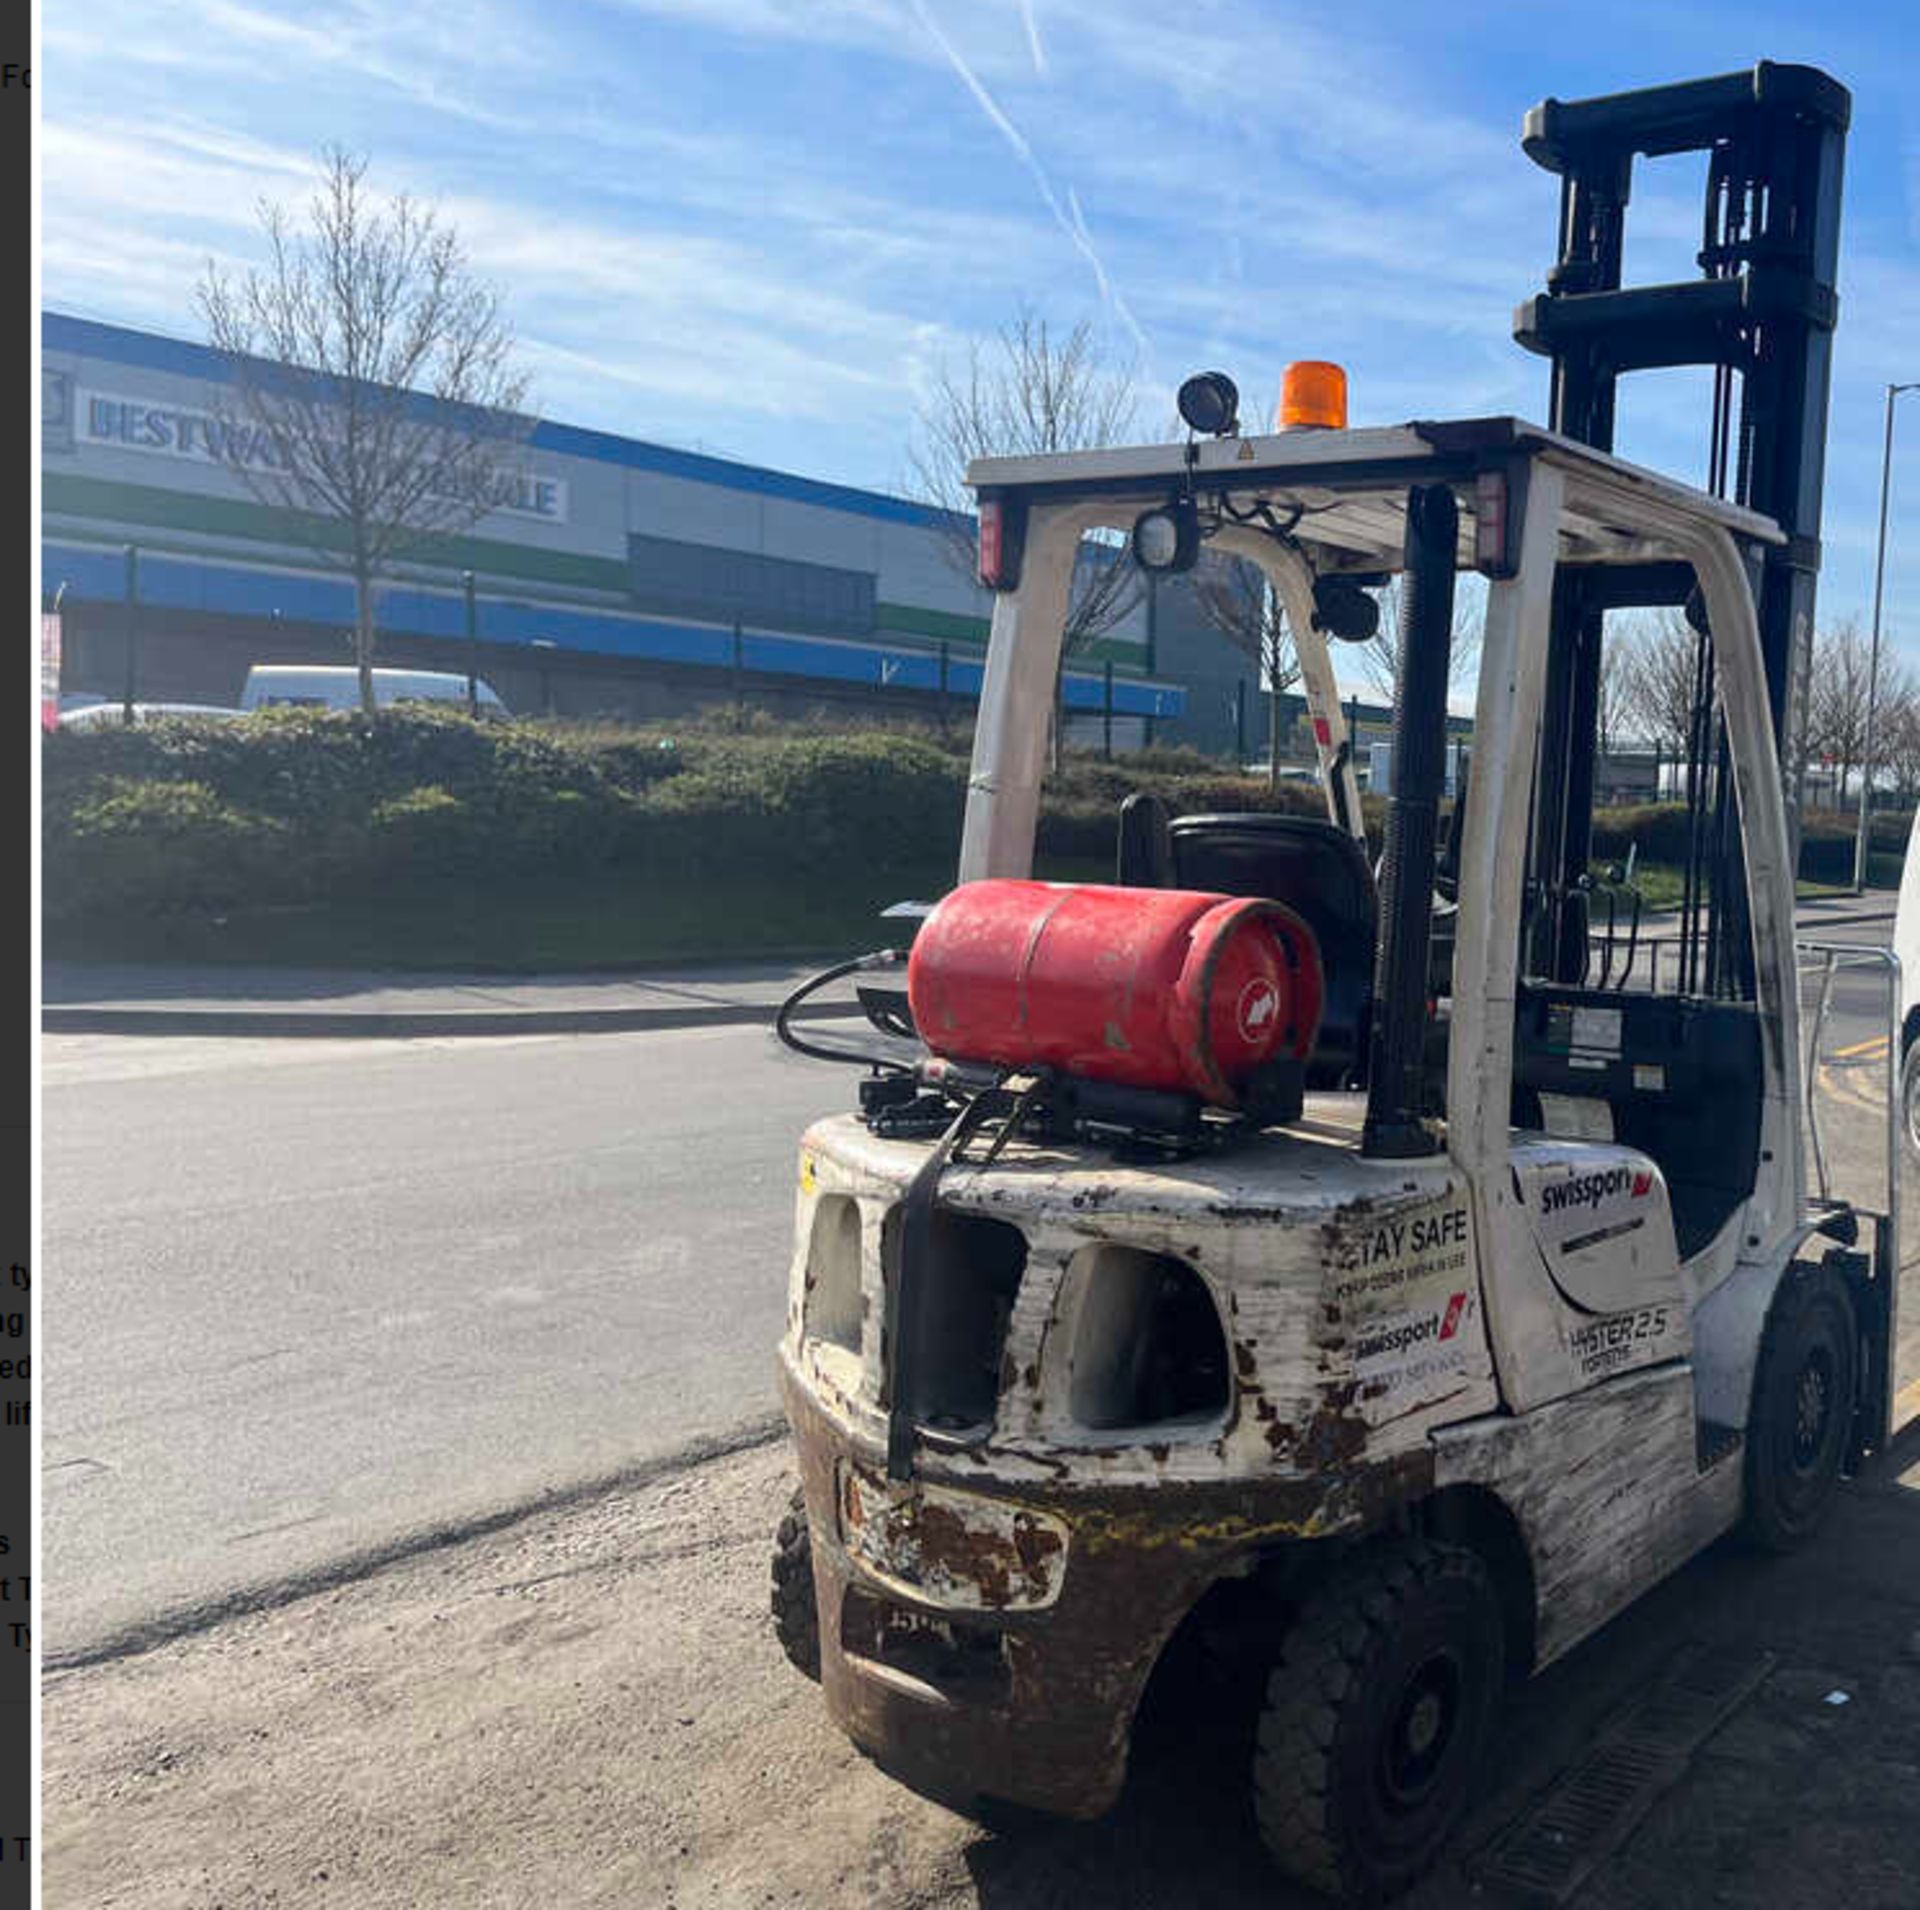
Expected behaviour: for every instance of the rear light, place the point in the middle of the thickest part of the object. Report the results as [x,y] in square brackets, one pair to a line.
[1002,522]
[1491,556]
[992,525]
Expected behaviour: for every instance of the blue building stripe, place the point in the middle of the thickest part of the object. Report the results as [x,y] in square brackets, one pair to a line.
[185,583]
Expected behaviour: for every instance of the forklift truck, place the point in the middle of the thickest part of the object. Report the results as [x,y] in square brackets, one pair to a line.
[1408,1259]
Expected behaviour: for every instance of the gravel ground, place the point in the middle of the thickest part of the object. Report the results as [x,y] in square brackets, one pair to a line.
[589,1709]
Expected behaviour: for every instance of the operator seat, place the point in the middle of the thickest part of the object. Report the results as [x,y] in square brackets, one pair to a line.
[1315,868]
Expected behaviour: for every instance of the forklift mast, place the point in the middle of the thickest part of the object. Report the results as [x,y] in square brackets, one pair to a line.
[1761,314]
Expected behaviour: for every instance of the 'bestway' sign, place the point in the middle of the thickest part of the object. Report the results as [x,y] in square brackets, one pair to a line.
[139,424]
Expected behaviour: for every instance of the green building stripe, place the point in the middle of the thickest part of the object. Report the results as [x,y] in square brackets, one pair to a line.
[1126,654]
[916,622]
[140,506]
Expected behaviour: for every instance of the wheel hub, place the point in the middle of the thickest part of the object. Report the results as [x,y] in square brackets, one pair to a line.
[1810,1406]
[1423,1729]
[1424,1726]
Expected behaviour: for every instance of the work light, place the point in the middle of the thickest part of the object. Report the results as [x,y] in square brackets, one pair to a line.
[1342,609]
[1209,402]
[1168,536]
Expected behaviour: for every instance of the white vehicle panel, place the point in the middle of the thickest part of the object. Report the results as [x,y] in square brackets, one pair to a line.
[1608,1490]
[1603,1235]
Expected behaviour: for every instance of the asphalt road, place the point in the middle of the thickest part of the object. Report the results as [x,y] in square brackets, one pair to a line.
[304,1298]
[311,1298]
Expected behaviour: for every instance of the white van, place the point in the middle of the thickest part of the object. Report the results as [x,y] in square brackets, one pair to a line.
[1906,945]
[337,687]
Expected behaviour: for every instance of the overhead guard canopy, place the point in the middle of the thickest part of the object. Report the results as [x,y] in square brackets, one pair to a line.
[1349,487]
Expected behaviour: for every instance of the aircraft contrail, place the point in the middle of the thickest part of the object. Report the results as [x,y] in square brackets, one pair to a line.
[1071,224]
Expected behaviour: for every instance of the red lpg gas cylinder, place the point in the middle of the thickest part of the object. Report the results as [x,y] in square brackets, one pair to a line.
[1147,988]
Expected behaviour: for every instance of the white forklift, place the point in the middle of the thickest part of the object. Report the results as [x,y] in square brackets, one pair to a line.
[1398,1254]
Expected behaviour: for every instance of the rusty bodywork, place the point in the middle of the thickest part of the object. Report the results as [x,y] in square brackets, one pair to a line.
[988,1628]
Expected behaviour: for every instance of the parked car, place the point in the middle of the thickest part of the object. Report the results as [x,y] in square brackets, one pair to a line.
[337,687]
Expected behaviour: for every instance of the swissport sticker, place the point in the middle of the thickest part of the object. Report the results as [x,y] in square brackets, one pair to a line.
[1386,1342]
[1587,1196]
[1404,1290]
[1612,1198]
[1600,1215]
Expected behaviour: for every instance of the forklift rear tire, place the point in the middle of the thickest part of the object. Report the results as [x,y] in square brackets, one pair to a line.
[1375,1717]
[796,1613]
[1804,1394]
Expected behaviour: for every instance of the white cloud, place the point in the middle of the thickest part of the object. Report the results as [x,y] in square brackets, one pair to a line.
[434,58]
[866,25]
[175,175]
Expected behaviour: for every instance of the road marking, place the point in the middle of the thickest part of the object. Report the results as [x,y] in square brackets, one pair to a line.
[1850,1092]
[1878,1045]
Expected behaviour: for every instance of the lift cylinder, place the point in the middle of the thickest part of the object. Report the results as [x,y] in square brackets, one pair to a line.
[1145,988]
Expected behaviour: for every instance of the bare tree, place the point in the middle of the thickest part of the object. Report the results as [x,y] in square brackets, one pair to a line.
[1236,599]
[373,393]
[1837,707]
[1658,659]
[1896,724]
[1612,711]
[1896,729]
[1380,656]
[1025,392]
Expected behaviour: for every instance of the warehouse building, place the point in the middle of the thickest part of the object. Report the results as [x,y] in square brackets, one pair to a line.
[617,577]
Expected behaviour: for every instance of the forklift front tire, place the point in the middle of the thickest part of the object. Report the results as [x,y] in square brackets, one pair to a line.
[796,1613]
[1910,1090]
[1375,1717]
[1803,1404]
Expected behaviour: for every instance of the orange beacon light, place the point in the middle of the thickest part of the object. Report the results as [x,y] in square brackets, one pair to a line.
[1312,392]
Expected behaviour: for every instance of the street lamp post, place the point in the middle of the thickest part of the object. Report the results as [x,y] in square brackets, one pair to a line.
[1864,831]
[473,647]
[131,680]
[545,646]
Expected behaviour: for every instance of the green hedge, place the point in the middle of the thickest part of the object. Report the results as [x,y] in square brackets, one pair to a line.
[803,804]
[156,846]
[1659,833]
[299,806]
[296,805]
[291,807]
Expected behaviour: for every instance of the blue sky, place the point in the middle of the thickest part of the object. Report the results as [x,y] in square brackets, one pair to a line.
[758,226]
